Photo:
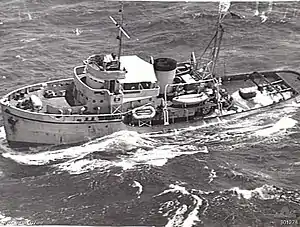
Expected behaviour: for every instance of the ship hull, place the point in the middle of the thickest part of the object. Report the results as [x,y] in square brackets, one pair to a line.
[32,132]
[26,131]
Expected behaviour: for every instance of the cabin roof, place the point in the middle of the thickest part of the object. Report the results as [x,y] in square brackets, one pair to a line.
[137,69]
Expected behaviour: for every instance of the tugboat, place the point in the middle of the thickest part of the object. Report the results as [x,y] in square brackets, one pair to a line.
[111,92]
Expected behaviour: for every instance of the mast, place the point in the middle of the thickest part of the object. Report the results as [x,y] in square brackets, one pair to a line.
[121,31]
[223,9]
[209,67]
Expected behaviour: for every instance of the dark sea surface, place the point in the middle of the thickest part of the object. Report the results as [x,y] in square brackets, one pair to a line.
[243,172]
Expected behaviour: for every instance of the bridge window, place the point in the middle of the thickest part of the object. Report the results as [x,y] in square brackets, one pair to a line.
[146,85]
[131,86]
[99,92]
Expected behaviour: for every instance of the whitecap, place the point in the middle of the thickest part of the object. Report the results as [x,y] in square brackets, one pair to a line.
[138,185]
[263,17]
[178,218]
[5,220]
[77,31]
[192,218]
[282,125]
[29,40]
[262,192]
[132,139]
[158,156]
[212,175]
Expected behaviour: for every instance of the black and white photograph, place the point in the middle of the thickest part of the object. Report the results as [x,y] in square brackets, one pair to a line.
[150,113]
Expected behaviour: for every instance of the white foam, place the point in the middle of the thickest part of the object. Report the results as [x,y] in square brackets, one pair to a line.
[82,166]
[174,188]
[2,133]
[126,139]
[263,17]
[260,100]
[20,57]
[158,156]
[29,40]
[77,31]
[178,218]
[177,132]
[262,192]
[192,218]
[29,16]
[212,175]
[138,185]
[146,154]
[282,125]
[5,220]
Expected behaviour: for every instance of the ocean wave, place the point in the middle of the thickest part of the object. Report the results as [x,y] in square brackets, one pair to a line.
[138,185]
[158,156]
[279,127]
[126,150]
[126,138]
[188,207]
[181,214]
[6,220]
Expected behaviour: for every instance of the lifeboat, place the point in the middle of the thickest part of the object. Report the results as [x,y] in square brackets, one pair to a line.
[191,99]
[146,112]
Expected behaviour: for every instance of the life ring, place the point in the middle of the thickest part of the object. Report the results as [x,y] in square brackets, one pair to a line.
[143,113]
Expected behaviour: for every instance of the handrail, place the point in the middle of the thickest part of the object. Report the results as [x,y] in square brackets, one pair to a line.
[269,83]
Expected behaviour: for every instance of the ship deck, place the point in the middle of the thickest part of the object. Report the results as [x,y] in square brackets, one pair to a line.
[59,105]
